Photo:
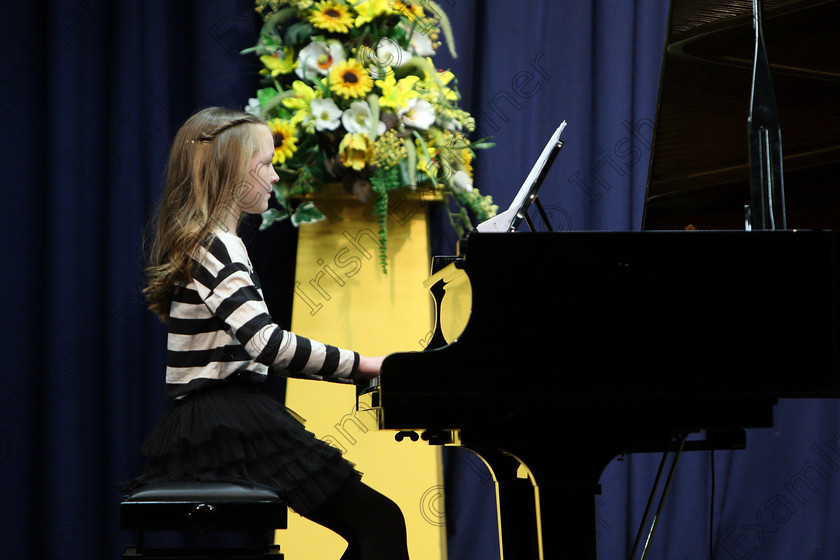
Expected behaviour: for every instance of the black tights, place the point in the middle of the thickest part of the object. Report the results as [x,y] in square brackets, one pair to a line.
[372,525]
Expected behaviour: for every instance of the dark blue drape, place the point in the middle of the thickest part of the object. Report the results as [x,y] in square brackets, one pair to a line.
[91,93]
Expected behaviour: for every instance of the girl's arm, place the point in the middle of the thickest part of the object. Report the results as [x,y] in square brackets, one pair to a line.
[225,285]
[369,367]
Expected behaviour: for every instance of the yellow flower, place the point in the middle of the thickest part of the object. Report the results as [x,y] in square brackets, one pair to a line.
[457,150]
[434,82]
[285,141]
[276,65]
[409,9]
[302,98]
[349,79]
[388,150]
[301,102]
[369,9]
[466,158]
[445,76]
[395,94]
[423,161]
[355,150]
[332,16]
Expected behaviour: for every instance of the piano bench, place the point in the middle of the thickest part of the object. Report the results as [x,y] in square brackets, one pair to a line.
[203,508]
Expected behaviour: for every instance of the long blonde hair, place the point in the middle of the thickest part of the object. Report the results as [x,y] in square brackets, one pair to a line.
[209,159]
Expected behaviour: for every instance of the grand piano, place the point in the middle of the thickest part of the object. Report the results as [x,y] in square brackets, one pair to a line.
[677,337]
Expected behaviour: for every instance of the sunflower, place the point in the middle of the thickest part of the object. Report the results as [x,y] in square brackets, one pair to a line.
[369,9]
[332,16]
[349,79]
[409,9]
[285,141]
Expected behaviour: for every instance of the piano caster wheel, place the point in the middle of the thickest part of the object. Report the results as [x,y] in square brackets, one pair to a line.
[402,434]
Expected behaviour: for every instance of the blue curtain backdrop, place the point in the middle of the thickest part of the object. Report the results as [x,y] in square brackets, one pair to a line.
[91,93]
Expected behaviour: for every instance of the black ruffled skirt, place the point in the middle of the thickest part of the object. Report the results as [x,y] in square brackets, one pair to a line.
[236,432]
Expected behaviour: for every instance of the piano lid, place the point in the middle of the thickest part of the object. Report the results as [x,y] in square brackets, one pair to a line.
[699,165]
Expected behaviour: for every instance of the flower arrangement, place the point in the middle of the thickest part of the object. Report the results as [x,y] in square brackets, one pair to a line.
[351,95]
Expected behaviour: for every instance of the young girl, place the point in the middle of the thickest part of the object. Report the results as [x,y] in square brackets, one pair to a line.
[222,343]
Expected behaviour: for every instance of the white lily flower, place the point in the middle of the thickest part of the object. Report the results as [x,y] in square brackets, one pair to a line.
[419,42]
[417,113]
[462,180]
[326,113]
[318,57]
[358,118]
[388,55]
[253,107]
[448,123]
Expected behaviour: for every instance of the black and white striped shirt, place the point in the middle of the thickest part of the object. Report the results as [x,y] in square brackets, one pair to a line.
[219,324]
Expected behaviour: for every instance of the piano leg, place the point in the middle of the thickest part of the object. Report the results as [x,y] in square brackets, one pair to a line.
[550,514]
[567,515]
[546,506]
[516,504]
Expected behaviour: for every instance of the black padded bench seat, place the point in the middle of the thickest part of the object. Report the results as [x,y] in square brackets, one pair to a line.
[201,507]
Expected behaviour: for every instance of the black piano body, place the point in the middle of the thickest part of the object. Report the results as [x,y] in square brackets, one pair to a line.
[602,343]
[591,345]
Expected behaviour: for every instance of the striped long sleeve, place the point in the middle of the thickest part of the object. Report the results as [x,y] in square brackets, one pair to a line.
[219,324]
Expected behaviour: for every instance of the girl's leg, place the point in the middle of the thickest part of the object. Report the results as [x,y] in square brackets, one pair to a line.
[372,524]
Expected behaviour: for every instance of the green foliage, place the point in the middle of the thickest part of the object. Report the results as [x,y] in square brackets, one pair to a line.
[383,181]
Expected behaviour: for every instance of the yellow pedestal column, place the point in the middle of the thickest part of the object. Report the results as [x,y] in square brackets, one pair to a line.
[343,298]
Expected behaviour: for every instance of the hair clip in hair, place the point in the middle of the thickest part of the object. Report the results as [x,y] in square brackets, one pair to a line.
[207,137]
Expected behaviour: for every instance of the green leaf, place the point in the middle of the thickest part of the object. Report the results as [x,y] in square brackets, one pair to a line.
[410,161]
[285,171]
[273,103]
[373,102]
[272,215]
[268,43]
[309,179]
[265,95]
[299,32]
[428,157]
[281,193]
[300,189]
[269,37]
[278,18]
[307,213]
[482,143]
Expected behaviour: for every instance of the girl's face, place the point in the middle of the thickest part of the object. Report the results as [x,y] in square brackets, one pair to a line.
[257,187]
